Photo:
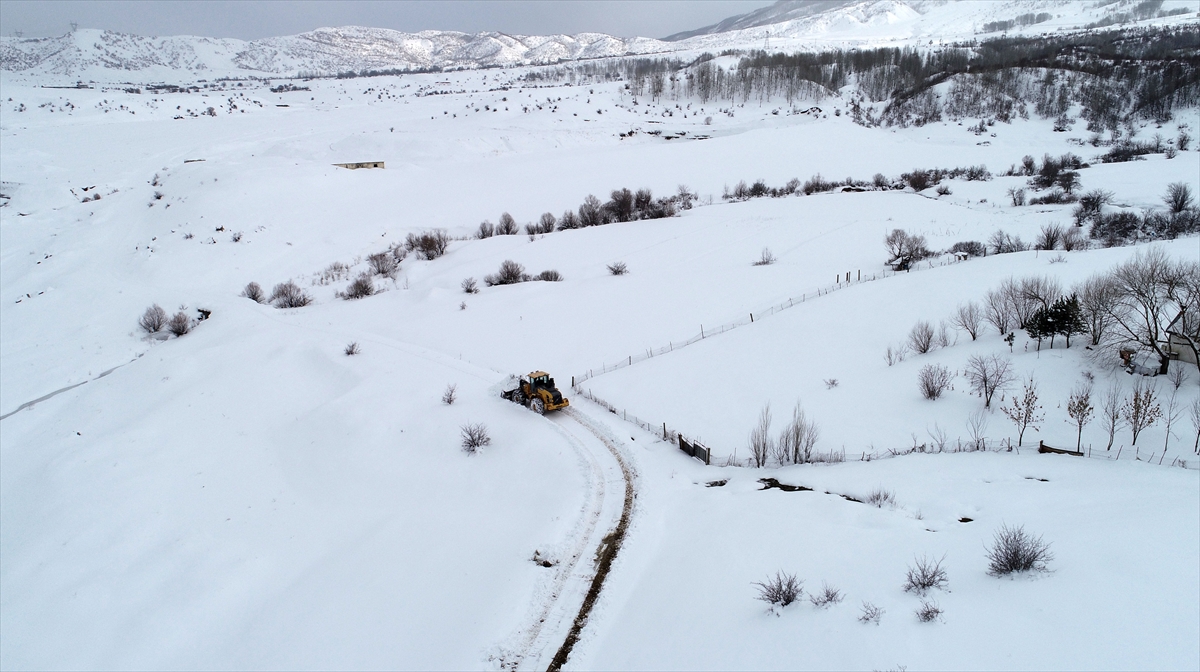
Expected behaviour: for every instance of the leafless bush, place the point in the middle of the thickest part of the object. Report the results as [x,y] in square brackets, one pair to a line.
[933,379]
[928,611]
[1073,239]
[761,444]
[1177,376]
[831,383]
[870,613]
[469,286]
[549,276]
[988,374]
[179,324]
[766,258]
[1049,237]
[236,237]
[828,595]
[486,230]
[1024,409]
[507,226]
[618,268]
[383,264]
[1017,195]
[977,424]
[450,395]
[510,273]
[352,349]
[920,338]
[895,354]
[428,245]
[153,320]
[1141,409]
[780,590]
[942,339]
[254,292]
[333,273]
[925,575]
[880,498]
[289,295]
[1015,550]
[969,318]
[360,288]
[474,437]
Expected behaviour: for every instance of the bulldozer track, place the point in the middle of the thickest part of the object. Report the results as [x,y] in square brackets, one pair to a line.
[606,553]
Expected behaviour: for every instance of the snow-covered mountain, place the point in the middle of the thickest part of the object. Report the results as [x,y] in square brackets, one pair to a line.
[786,25]
[96,53]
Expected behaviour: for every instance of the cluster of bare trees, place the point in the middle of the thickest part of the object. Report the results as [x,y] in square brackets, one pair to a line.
[623,205]
[795,445]
[155,320]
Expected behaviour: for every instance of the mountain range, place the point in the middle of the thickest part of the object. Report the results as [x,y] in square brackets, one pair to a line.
[788,24]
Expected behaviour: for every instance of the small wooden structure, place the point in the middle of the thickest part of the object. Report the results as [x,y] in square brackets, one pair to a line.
[360,164]
[1043,448]
[1179,345]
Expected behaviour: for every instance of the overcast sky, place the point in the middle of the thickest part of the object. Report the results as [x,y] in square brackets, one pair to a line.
[252,19]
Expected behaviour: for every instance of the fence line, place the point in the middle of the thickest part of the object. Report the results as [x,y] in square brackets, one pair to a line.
[710,331]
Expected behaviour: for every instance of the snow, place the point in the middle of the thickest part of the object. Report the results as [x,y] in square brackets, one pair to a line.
[248,496]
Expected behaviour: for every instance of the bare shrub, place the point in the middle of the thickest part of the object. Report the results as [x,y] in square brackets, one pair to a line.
[617,268]
[1110,414]
[904,249]
[870,613]
[988,374]
[943,190]
[352,349]
[361,287]
[1073,239]
[179,324]
[933,379]
[1178,197]
[1080,409]
[474,436]
[920,338]
[828,595]
[831,383]
[942,339]
[780,590]
[880,498]
[383,263]
[928,611]
[486,230]
[289,295]
[430,244]
[1141,409]
[1017,195]
[926,574]
[1049,237]
[153,320]
[333,273]
[895,354]
[254,292]
[969,318]
[761,444]
[977,424]
[1015,550]
[546,223]
[550,275]
[450,395]
[507,226]
[766,258]
[1177,376]
[469,286]
[510,273]
[236,237]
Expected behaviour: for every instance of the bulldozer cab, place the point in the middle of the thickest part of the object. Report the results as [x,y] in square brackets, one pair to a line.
[541,379]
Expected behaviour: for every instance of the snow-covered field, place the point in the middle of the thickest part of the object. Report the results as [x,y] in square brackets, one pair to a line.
[248,496]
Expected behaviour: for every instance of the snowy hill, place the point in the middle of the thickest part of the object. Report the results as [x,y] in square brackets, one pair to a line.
[265,485]
[790,24]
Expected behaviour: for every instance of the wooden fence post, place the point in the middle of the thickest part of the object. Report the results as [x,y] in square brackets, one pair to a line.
[664,431]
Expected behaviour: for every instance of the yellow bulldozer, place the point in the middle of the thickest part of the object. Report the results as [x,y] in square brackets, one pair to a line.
[537,391]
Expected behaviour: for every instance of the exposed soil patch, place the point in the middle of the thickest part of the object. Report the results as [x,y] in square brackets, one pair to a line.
[717,484]
[1035,478]
[964,519]
[769,483]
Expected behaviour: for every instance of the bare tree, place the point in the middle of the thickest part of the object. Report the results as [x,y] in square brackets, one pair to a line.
[798,438]
[469,286]
[969,318]
[474,436]
[920,338]
[1036,292]
[1080,410]
[766,258]
[1194,414]
[761,445]
[450,395]
[998,311]
[977,426]
[507,226]
[1150,289]
[1170,416]
[383,264]
[179,324]
[988,374]
[153,320]
[547,223]
[1024,410]
[1097,297]
[1141,409]
[1110,414]
[1178,197]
